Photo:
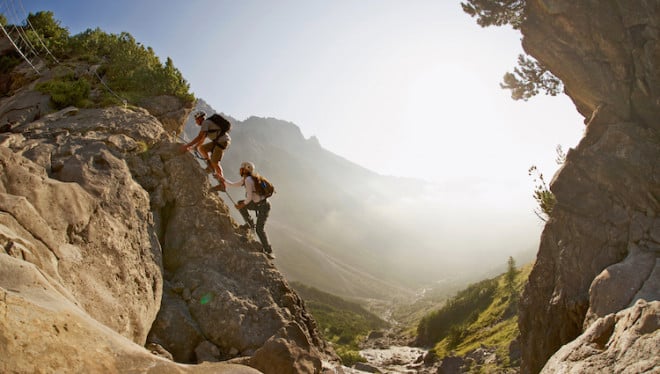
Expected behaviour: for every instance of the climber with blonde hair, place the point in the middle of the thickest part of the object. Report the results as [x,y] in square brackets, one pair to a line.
[257,191]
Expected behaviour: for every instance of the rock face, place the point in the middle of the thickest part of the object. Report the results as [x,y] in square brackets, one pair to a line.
[70,207]
[625,342]
[110,240]
[220,290]
[41,330]
[599,250]
[170,111]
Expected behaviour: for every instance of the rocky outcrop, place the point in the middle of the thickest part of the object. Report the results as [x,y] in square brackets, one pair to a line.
[110,240]
[221,290]
[80,266]
[599,250]
[625,342]
[171,111]
[71,207]
[42,330]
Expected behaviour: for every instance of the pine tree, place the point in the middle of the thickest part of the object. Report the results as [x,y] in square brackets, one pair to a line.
[511,274]
[530,76]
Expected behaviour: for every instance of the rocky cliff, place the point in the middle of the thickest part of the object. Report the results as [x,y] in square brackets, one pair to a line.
[111,241]
[599,251]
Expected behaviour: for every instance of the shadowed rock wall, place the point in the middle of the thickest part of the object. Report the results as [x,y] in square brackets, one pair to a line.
[604,233]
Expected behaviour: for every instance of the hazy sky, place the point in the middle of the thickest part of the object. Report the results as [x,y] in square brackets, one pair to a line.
[402,87]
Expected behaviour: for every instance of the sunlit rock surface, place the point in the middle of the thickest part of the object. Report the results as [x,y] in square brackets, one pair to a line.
[111,240]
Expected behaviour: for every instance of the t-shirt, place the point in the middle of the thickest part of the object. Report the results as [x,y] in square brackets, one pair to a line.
[250,190]
[210,125]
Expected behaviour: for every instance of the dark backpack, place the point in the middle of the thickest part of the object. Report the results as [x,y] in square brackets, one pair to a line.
[263,186]
[220,121]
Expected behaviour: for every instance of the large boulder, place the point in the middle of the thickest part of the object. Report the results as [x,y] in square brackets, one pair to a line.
[616,287]
[74,208]
[287,352]
[625,342]
[170,111]
[42,330]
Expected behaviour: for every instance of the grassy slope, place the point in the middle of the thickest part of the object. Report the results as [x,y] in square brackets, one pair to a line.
[345,323]
[496,326]
[409,314]
[341,322]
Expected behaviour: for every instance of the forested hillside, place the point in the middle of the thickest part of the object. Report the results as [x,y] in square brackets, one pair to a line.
[483,316]
[121,70]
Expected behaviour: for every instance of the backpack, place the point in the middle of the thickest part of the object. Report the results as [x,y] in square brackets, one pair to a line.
[222,139]
[263,186]
[220,121]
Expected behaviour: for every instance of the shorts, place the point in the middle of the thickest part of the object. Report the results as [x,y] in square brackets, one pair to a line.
[216,150]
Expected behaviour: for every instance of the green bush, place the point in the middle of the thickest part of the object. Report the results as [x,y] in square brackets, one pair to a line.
[349,357]
[530,76]
[127,68]
[469,325]
[67,91]
[47,30]
[456,335]
[545,199]
[9,62]
[340,321]
[343,326]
